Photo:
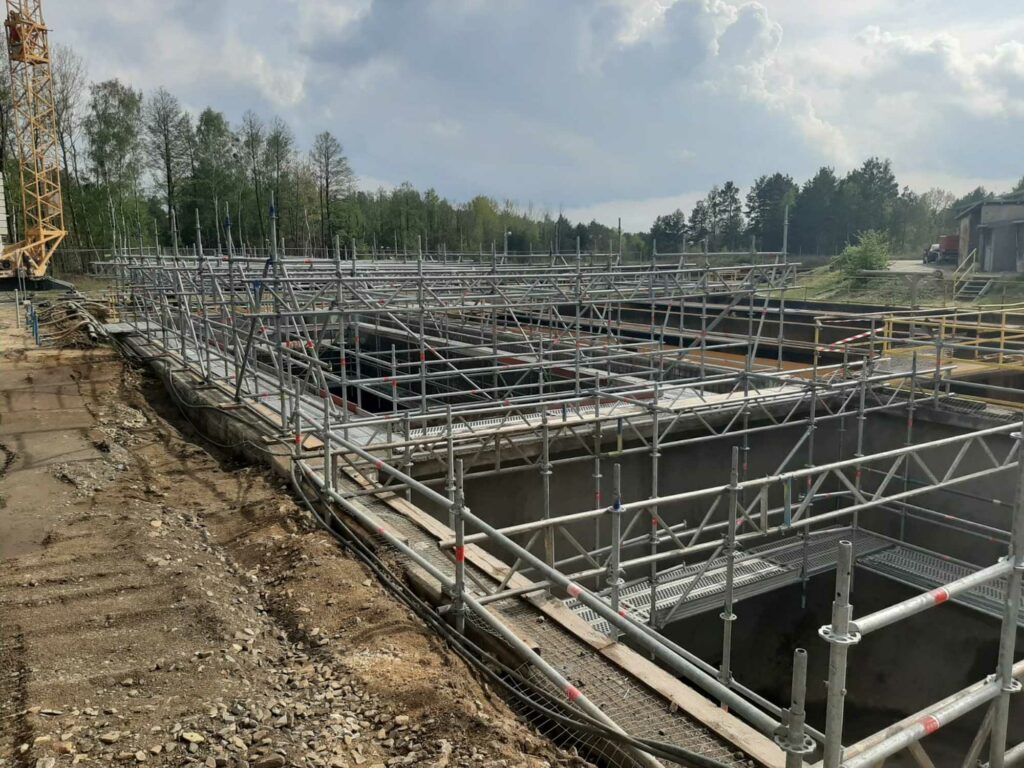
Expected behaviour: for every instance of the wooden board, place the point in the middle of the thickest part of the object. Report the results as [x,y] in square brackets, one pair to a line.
[690,701]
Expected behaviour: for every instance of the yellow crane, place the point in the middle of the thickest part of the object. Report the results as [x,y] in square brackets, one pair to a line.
[35,132]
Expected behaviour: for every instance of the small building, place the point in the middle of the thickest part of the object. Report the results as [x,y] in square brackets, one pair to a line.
[995,228]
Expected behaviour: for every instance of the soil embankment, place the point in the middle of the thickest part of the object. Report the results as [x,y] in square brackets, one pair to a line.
[162,605]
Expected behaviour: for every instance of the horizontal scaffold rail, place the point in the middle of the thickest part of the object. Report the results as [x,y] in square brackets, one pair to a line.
[379,374]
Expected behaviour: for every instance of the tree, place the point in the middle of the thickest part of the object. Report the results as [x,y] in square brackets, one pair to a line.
[700,222]
[112,131]
[766,209]
[976,195]
[215,175]
[69,77]
[867,197]
[126,160]
[941,207]
[871,252]
[278,156]
[253,139]
[814,223]
[334,178]
[167,132]
[669,232]
[729,217]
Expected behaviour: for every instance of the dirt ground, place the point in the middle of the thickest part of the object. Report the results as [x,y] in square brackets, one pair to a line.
[162,605]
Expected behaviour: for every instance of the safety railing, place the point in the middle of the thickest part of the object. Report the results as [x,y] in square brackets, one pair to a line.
[965,271]
[272,359]
[994,338]
[845,632]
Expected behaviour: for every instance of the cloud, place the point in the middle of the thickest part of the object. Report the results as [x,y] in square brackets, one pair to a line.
[929,102]
[606,107]
[636,215]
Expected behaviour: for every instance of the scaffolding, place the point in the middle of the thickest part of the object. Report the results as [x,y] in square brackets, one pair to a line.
[412,376]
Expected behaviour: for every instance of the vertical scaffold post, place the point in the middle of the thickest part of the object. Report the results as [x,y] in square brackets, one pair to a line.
[206,339]
[598,497]
[791,737]
[545,474]
[703,317]
[174,233]
[727,615]
[459,607]
[423,333]
[342,342]
[805,533]
[1011,614]
[296,419]
[232,314]
[449,484]
[614,570]
[326,439]
[781,325]
[653,533]
[394,380]
[408,464]
[278,328]
[911,404]
[358,356]
[859,454]
[840,638]
[578,297]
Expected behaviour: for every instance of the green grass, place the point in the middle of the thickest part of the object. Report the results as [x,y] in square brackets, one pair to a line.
[825,284]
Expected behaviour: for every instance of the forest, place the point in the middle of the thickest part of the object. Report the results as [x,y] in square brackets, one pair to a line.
[140,169]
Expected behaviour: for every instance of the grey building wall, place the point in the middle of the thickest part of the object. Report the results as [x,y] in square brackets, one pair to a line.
[996,230]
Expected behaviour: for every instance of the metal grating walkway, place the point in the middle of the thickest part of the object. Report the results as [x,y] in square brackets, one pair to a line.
[758,570]
[635,708]
[924,571]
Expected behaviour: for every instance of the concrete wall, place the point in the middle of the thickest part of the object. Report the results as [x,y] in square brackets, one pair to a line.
[969,234]
[517,498]
[998,240]
[892,673]
[991,214]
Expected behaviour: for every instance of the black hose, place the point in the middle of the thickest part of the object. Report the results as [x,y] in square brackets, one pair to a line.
[469,651]
[474,655]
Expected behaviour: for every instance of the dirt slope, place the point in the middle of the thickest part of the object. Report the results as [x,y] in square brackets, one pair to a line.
[162,606]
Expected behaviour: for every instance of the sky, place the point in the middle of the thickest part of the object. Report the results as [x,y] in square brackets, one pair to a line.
[598,108]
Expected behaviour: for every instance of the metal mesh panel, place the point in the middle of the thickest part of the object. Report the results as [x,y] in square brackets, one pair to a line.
[636,709]
[761,569]
[925,571]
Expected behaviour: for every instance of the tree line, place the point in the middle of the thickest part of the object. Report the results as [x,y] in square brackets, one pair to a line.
[822,215]
[140,170]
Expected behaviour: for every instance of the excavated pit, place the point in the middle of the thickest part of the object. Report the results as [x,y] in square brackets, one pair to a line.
[893,673]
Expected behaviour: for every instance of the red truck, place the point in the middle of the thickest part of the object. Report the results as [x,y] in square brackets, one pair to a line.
[947,249]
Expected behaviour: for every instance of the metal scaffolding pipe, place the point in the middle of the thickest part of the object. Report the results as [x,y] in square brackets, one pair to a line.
[918,603]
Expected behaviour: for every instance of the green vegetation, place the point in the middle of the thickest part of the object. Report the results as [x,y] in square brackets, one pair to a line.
[825,213]
[870,253]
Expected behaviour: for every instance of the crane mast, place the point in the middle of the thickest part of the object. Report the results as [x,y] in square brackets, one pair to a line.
[34,127]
